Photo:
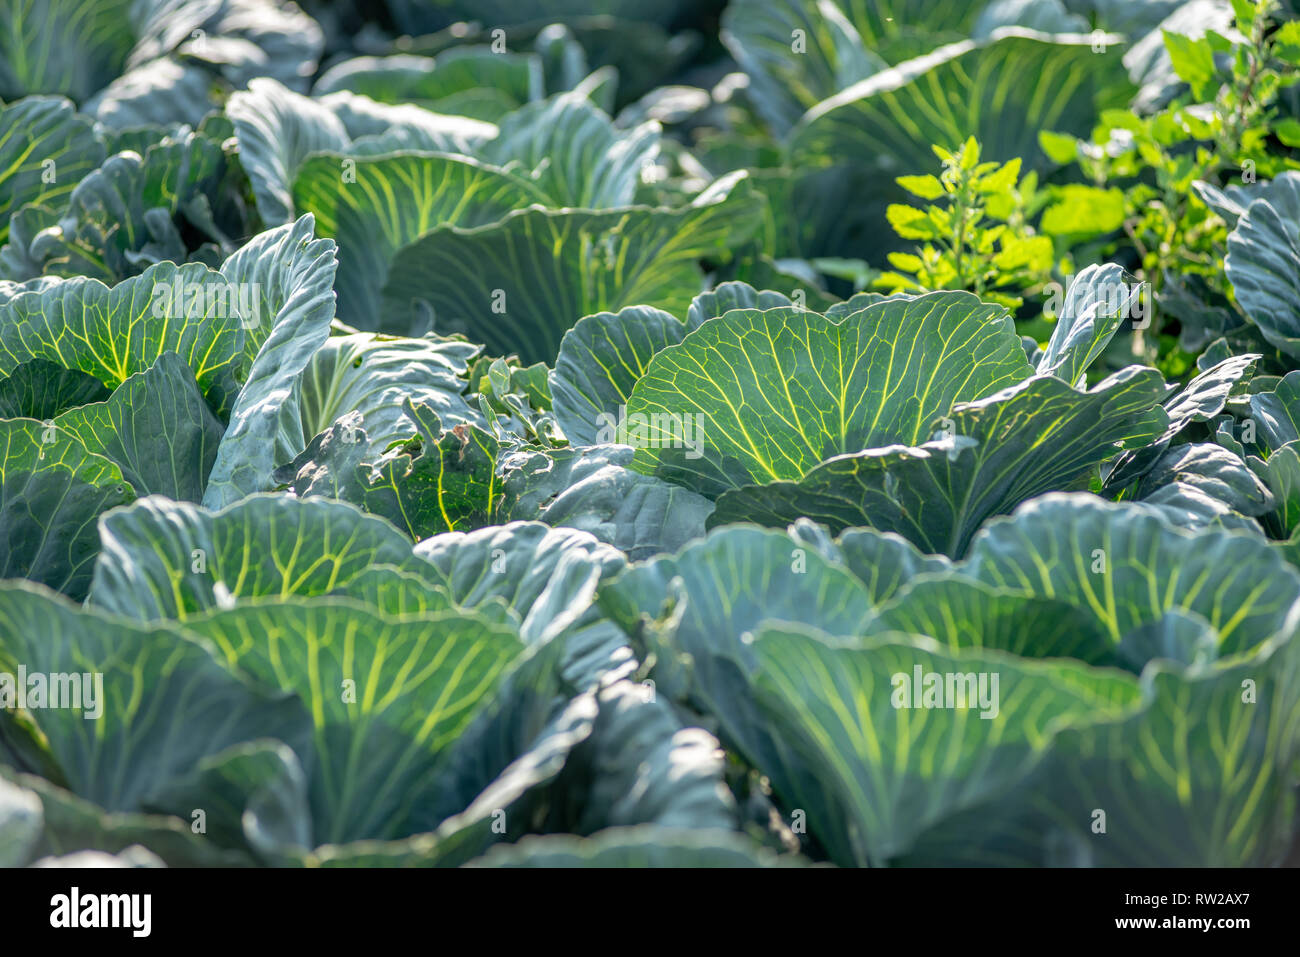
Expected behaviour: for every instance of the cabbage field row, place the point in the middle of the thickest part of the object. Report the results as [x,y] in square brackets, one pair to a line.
[719,433]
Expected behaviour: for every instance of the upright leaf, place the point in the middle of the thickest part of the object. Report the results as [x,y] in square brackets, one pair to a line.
[386,696]
[165,559]
[114,333]
[292,276]
[51,492]
[768,395]
[1038,436]
[520,284]
[156,428]
[138,705]
[600,360]
[45,148]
